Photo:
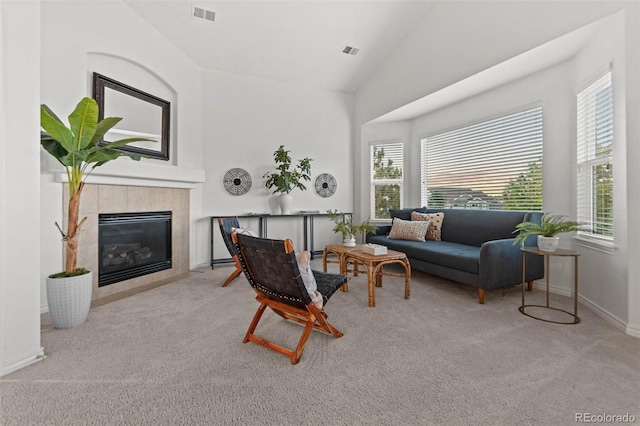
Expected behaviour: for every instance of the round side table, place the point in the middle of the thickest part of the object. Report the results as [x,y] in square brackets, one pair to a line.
[547,255]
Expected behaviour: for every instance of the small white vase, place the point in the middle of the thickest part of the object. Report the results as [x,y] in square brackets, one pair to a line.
[284,200]
[349,241]
[548,243]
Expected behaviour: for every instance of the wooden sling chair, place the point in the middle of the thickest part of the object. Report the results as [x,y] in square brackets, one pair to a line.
[272,270]
[226,225]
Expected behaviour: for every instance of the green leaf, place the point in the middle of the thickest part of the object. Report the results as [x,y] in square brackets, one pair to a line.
[103,127]
[84,121]
[53,147]
[55,128]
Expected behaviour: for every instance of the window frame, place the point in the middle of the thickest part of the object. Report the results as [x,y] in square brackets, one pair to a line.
[587,157]
[481,127]
[376,182]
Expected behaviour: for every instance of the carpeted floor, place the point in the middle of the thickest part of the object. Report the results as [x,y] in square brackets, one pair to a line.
[174,355]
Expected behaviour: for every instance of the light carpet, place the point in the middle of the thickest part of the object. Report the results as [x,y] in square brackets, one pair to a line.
[174,355]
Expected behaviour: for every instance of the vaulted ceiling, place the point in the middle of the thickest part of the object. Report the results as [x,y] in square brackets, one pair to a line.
[298,42]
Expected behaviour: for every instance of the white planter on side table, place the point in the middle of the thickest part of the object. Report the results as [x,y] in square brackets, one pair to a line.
[548,243]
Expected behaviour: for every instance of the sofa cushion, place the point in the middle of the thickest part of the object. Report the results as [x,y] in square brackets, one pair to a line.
[405,214]
[435,224]
[408,230]
[475,227]
[451,255]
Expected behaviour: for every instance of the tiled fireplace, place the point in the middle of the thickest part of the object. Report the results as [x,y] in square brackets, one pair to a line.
[107,200]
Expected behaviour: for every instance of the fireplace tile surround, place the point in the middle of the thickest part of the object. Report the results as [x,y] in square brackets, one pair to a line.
[98,199]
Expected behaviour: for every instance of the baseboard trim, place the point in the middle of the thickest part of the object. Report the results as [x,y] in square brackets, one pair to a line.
[31,358]
[593,307]
[633,331]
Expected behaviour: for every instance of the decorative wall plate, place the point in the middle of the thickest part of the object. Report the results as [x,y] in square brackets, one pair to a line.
[237,181]
[326,185]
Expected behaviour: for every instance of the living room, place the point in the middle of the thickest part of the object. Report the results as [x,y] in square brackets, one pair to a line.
[458,63]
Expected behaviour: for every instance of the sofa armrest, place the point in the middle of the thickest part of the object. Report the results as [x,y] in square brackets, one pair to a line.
[501,264]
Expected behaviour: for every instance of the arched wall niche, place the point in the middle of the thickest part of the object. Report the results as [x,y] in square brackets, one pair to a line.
[134,74]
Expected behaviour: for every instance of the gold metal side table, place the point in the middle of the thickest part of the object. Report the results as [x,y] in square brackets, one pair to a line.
[547,255]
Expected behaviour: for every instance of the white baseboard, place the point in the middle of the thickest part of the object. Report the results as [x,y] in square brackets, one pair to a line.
[593,307]
[23,362]
[200,266]
[633,330]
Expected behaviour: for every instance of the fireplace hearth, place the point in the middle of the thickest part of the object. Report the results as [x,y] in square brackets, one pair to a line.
[131,245]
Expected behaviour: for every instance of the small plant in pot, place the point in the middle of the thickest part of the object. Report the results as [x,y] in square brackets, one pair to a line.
[547,230]
[79,150]
[345,226]
[286,178]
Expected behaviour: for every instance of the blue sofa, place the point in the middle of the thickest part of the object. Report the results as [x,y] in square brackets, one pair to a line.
[476,249]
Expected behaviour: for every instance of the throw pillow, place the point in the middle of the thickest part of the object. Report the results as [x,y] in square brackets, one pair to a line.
[408,230]
[435,227]
[244,231]
[309,280]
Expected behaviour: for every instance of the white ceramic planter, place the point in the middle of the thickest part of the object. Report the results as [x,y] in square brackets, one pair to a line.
[69,300]
[284,200]
[349,241]
[548,243]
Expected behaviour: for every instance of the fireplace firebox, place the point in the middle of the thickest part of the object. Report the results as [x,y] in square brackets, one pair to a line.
[133,244]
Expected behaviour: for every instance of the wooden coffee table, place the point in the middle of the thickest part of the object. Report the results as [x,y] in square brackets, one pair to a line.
[375,269]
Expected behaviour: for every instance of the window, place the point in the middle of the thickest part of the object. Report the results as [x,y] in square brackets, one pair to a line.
[386,178]
[594,155]
[492,165]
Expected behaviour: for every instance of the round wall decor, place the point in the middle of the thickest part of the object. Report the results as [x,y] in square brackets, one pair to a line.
[237,181]
[326,185]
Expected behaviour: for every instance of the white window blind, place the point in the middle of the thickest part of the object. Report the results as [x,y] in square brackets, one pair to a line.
[594,156]
[492,165]
[386,178]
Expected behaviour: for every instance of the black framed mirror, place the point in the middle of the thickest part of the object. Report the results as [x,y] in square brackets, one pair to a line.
[143,115]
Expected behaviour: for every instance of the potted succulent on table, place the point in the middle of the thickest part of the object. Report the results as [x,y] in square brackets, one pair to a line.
[344,225]
[286,179]
[79,149]
[547,231]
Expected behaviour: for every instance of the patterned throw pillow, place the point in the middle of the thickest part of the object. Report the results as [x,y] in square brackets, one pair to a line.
[303,259]
[435,228]
[407,230]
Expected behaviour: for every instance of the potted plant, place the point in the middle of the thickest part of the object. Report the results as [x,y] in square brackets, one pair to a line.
[547,230]
[79,150]
[344,225]
[286,178]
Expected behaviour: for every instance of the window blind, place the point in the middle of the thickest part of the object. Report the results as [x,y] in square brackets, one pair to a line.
[386,178]
[594,157]
[492,165]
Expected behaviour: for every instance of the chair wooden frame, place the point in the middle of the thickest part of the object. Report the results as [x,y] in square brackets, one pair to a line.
[225,229]
[295,305]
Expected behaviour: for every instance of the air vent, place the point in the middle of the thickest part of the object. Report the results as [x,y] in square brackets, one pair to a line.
[201,13]
[350,50]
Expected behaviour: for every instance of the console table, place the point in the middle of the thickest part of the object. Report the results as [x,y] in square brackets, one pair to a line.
[547,255]
[263,220]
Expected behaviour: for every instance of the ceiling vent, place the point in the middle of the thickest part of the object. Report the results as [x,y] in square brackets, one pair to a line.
[350,50]
[201,13]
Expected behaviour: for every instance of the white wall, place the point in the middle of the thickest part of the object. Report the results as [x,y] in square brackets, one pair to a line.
[604,279]
[19,185]
[608,283]
[247,119]
[123,46]
[632,54]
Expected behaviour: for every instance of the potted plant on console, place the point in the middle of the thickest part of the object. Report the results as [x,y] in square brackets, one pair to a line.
[79,149]
[547,231]
[286,179]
